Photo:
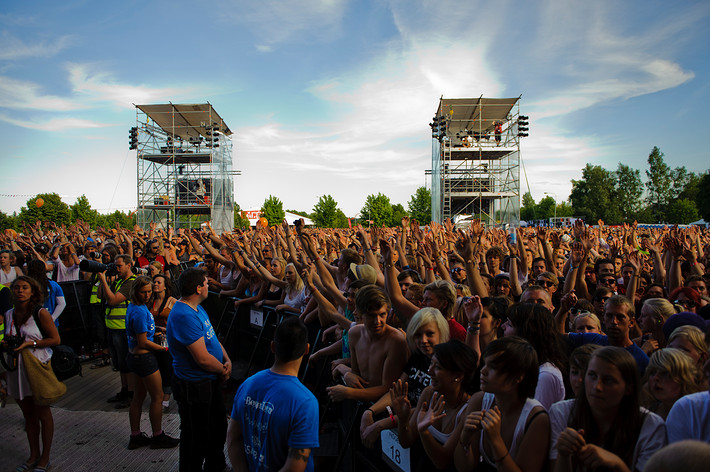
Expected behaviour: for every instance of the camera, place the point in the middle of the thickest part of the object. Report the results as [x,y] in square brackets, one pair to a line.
[95,267]
[95,255]
[297,223]
[11,342]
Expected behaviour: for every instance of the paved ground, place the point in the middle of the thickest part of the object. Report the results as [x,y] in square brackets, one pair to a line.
[89,434]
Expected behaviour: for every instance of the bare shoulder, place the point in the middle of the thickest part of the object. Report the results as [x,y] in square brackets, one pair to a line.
[393,335]
[356,331]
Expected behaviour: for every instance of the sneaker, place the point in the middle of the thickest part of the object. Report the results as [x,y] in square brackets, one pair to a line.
[166,407]
[140,440]
[125,403]
[120,396]
[163,441]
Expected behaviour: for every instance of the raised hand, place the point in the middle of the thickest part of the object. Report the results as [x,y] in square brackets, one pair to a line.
[429,414]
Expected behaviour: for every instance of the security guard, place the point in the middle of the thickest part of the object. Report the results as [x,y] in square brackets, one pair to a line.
[117,298]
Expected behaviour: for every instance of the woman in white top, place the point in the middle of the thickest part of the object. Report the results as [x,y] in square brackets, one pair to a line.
[534,323]
[438,417]
[8,272]
[604,427]
[20,321]
[505,428]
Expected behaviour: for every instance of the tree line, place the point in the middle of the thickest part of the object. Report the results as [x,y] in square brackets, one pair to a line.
[668,195]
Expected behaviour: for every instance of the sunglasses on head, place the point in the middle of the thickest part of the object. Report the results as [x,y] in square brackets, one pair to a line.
[574,311]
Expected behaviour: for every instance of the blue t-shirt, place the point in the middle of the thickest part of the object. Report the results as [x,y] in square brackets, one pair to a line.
[185,326]
[276,413]
[593,338]
[138,320]
[55,290]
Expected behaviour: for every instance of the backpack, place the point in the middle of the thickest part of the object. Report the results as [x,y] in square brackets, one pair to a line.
[65,362]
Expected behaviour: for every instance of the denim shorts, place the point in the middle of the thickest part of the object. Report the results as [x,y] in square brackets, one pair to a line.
[142,364]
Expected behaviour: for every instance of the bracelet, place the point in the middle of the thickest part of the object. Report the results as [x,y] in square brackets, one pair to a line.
[389,266]
[371,411]
[389,410]
[429,268]
[34,344]
[504,456]
[474,330]
[367,249]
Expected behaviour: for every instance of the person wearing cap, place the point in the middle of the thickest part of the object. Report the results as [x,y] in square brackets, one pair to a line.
[362,272]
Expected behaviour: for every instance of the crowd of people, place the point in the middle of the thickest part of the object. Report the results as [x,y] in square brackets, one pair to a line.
[573,348]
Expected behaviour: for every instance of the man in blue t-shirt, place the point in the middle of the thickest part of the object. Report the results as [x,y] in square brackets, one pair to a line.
[200,363]
[274,423]
[618,320]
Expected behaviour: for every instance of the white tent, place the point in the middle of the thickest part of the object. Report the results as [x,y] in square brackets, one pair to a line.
[254,215]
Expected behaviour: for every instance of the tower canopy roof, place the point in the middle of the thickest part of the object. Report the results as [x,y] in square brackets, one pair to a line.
[186,120]
[476,114]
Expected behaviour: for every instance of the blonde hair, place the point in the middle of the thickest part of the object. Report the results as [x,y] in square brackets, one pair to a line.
[660,308]
[679,366]
[282,263]
[693,335]
[424,317]
[298,286]
[589,315]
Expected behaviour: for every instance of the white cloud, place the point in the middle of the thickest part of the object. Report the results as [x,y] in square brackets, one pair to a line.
[96,86]
[12,48]
[24,95]
[274,22]
[54,124]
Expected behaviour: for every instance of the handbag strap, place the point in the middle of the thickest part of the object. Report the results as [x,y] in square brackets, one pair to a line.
[35,315]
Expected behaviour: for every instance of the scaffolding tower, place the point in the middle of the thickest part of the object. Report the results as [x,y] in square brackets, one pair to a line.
[475,170]
[184,166]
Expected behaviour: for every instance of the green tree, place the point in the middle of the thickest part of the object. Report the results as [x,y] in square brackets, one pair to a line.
[420,205]
[629,189]
[398,212]
[239,221]
[546,208]
[593,196]
[378,209]
[564,210]
[53,209]
[659,183]
[528,210]
[692,187]
[681,211]
[703,197]
[273,210]
[325,213]
[81,210]
[109,220]
[7,221]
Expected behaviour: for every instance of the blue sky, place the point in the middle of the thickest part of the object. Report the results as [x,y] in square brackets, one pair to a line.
[334,96]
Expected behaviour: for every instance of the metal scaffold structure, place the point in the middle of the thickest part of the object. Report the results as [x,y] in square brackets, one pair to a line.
[184,166]
[475,170]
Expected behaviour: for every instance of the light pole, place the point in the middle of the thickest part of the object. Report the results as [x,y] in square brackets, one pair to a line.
[555,218]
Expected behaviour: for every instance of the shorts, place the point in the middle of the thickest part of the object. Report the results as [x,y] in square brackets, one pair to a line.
[142,365]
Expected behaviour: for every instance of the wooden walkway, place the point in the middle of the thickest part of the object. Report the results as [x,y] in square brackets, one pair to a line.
[89,434]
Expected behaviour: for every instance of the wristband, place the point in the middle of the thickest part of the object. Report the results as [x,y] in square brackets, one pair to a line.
[429,268]
[367,249]
[389,410]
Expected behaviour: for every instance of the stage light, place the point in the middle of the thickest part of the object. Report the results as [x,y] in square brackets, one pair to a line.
[133,138]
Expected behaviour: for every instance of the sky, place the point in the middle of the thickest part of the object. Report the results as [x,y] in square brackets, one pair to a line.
[334,97]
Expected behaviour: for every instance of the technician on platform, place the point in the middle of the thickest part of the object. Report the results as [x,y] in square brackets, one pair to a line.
[200,364]
[274,423]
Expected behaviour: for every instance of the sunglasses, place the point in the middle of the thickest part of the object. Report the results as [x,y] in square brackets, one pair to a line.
[545,283]
[457,270]
[574,311]
[608,281]
[685,303]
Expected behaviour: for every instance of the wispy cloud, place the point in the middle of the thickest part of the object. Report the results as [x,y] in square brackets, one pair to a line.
[25,95]
[12,48]
[92,85]
[274,22]
[54,124]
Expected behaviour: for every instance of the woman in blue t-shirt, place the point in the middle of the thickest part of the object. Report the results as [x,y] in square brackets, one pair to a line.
[140,330]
